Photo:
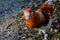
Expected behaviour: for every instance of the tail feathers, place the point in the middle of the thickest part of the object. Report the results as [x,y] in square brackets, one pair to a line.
[48,26]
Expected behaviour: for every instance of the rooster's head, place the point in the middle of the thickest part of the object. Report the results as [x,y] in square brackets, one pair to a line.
[28,13]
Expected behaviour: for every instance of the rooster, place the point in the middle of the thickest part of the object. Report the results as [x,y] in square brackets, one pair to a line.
[40,18]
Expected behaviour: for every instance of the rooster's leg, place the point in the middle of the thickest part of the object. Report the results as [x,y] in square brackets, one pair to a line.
[45,36]
[44,32]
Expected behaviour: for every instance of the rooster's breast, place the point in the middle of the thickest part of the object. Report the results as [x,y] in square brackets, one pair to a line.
[34,22]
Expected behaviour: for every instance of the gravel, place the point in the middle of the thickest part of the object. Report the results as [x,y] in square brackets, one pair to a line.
[12,26]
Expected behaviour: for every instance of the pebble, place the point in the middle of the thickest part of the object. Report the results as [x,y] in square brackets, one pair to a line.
[11,8]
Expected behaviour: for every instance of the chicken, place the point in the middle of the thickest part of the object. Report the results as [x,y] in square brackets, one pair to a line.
[40,18]
[34,19]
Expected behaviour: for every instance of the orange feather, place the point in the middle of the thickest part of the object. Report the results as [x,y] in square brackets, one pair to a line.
[37,20]
[34,21]
[47,7]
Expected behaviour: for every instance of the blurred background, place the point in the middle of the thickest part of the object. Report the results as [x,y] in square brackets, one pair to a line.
[12,26]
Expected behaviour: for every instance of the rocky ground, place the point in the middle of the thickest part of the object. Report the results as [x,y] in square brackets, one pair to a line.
[12,26]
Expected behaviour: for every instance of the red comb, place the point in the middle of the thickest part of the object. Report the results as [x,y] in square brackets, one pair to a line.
[28,10]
